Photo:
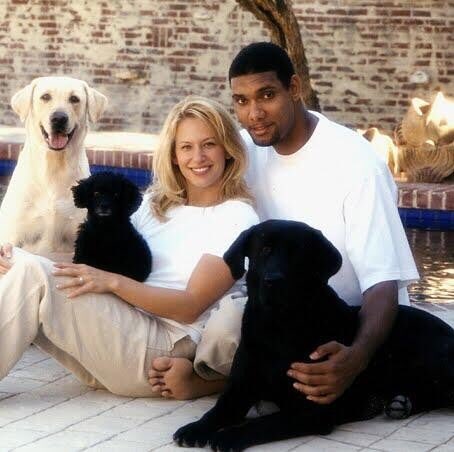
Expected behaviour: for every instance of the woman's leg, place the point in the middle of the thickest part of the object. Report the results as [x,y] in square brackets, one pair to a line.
[98,336]
[67,361]
[20,295]
[112,341]
[21,290]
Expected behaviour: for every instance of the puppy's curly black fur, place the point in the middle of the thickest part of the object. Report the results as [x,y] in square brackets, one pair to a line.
[107,240]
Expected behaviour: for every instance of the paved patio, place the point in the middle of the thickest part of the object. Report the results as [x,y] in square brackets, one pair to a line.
[43,408]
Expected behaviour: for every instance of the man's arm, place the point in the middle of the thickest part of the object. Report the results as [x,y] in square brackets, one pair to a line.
[324,382]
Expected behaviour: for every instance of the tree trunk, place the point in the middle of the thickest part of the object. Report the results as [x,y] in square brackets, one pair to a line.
[278,17]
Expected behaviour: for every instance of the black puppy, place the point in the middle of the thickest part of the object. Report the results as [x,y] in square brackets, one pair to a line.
[107,240]
[291,310]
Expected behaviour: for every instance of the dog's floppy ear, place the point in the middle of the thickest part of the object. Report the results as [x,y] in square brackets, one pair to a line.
[21,102]
[234,256]
[131,196]
[81,193]
[326,258]
[96,103]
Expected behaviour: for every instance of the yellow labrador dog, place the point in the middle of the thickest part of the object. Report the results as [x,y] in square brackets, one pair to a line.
[38,212]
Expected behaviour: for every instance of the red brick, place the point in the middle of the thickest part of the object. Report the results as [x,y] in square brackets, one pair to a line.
[406,198]
[436,200]
[337,12]
[450,199]
[425,13]
[422,199]
[401,12]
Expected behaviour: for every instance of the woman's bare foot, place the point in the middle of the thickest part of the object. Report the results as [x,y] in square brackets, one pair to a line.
[175,378]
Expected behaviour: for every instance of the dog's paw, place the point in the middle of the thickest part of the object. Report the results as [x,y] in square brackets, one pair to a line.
[194,434]
[399,407]
[228,440]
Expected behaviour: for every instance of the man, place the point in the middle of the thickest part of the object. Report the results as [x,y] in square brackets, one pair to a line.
[304,167]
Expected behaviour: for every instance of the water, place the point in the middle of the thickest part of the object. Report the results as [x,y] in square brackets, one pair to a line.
[434,256]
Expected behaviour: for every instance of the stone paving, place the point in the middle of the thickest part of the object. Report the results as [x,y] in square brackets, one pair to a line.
[44,408]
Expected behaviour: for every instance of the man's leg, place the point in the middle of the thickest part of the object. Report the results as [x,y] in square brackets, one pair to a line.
[220,339]
[176,378]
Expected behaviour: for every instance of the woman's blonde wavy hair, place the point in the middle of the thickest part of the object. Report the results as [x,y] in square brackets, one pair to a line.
[169,186]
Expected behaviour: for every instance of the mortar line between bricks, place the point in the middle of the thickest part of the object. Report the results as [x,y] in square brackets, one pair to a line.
[398,428]
[75,423]
[300,444]
[136,426]
[67,426]
[162,445]
[39,411]
[45,383]
[445,442]
[32,364]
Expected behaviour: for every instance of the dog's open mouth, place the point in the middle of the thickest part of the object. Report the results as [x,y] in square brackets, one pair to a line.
[57,141]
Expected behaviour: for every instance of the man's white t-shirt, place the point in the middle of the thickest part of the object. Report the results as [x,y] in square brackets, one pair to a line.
[178,244]
[338,184]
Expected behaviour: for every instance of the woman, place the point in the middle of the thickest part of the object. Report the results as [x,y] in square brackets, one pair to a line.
[107,328]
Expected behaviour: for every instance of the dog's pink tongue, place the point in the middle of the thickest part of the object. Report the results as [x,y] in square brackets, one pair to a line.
[58,141]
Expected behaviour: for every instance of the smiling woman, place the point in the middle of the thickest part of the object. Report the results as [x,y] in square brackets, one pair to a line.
[199,158]
[113,327]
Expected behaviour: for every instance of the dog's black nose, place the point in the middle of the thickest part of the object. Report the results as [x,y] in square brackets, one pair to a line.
[59,121]
[103,211]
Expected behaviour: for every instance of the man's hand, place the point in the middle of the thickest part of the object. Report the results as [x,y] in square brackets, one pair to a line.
[325,381]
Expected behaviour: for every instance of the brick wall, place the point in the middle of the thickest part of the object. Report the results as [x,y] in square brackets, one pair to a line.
[365,55]
[147,54]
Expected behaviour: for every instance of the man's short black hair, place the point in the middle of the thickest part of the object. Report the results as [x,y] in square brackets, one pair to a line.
[262,57]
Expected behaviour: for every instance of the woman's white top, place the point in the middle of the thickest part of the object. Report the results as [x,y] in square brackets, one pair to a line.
[178,244]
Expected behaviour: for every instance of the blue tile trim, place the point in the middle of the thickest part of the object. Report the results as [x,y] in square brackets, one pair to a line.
[427,219]
[7,167]
[411,218]
[140,177]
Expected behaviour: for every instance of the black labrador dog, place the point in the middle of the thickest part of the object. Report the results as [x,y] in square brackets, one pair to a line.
[291,310]
[107,240]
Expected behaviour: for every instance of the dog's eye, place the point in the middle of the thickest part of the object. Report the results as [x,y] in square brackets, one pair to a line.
[74,99]
[96,193]
[266,250]
[116,195]
[46,97]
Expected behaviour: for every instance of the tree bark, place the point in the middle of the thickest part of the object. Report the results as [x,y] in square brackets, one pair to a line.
[278,17]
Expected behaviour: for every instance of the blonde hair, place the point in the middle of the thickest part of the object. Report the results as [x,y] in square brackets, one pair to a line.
[169,186]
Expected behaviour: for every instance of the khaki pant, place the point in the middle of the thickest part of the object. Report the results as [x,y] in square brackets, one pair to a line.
[220,338]
[104,341]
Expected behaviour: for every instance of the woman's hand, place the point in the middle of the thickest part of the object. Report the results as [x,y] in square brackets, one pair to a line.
[84,279]
[6,252]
